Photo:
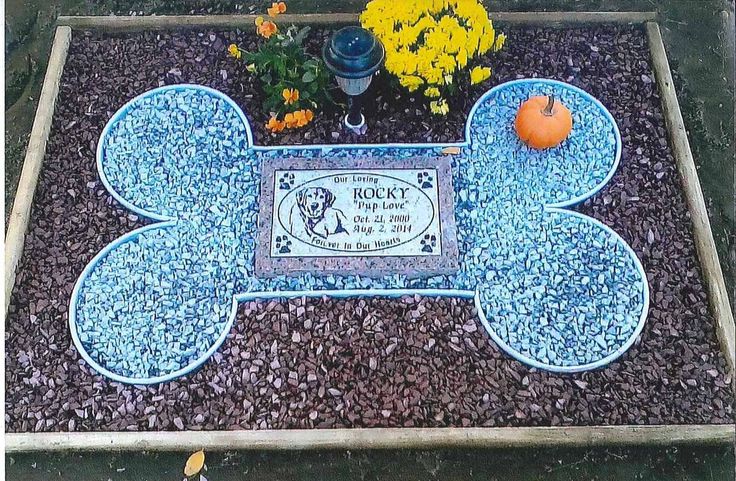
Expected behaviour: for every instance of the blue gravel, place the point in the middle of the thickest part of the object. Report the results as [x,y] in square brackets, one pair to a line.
[557,289]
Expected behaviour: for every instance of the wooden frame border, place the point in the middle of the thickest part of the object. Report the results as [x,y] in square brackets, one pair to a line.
[378,438]
[162,22]
[706,246]
[21,214]
[373,438]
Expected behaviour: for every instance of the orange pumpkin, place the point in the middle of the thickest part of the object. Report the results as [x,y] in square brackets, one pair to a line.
[542,122]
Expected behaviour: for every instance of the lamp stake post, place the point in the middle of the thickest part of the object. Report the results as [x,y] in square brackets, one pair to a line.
[355,119]
[353,55]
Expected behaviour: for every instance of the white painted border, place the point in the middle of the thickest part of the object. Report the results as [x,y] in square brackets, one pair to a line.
[398,146]
[554,207]
[106,372]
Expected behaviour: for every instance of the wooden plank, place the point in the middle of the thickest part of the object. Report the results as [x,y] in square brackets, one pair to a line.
[163,22]
[372,438]
[565,18]
[706,247]
[21,213]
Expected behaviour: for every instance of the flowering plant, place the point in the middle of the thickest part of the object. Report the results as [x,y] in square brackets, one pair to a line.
[295,83]
[430,43]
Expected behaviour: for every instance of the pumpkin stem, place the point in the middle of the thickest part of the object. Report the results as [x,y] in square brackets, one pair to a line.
[550,105]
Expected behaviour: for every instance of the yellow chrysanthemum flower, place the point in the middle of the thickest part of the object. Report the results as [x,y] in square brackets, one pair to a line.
[433,75]
[439,107]
[436,39]
[425,23]
[410,63]
[427,41]
[462,58]
[406,36]
[448,23]
[479,74]
[432,92]
[471,45]
[411,82]
[436,6]
[486,41]
[458,39]
[393,64]
[500,41]
[446,63]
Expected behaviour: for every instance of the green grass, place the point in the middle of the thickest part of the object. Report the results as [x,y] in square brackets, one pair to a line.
[670,464]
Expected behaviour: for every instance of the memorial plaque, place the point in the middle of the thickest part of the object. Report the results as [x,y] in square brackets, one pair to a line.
[356,216]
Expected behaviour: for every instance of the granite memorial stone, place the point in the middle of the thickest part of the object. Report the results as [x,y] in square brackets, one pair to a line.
[362,216]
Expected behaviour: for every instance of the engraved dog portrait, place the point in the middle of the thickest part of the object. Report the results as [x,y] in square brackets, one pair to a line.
[313,213]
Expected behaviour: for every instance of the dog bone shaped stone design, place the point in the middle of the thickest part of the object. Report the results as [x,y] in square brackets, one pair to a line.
[555,289]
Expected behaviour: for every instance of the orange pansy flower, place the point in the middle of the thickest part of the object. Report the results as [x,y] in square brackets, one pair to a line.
[301,120]
[275,125]
[267,28]
[276,8]
[298,118]
[290,96]
[290,120]
[303,117]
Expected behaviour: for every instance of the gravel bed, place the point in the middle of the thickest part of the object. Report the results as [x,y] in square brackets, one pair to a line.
[361,362]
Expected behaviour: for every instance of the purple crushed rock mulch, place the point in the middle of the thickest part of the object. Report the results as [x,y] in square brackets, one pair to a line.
[361,362]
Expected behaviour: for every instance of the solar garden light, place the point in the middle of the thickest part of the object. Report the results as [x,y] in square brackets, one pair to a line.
[353,54]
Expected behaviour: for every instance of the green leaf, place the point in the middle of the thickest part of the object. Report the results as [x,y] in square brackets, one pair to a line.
[282,62]
[272,103]
[280,65]
[311,64]
[301,35]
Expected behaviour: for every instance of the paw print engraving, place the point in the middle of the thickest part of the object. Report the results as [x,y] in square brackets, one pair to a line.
[555,289]
[283,244]
[429,243]
[425,180]
[286,181]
